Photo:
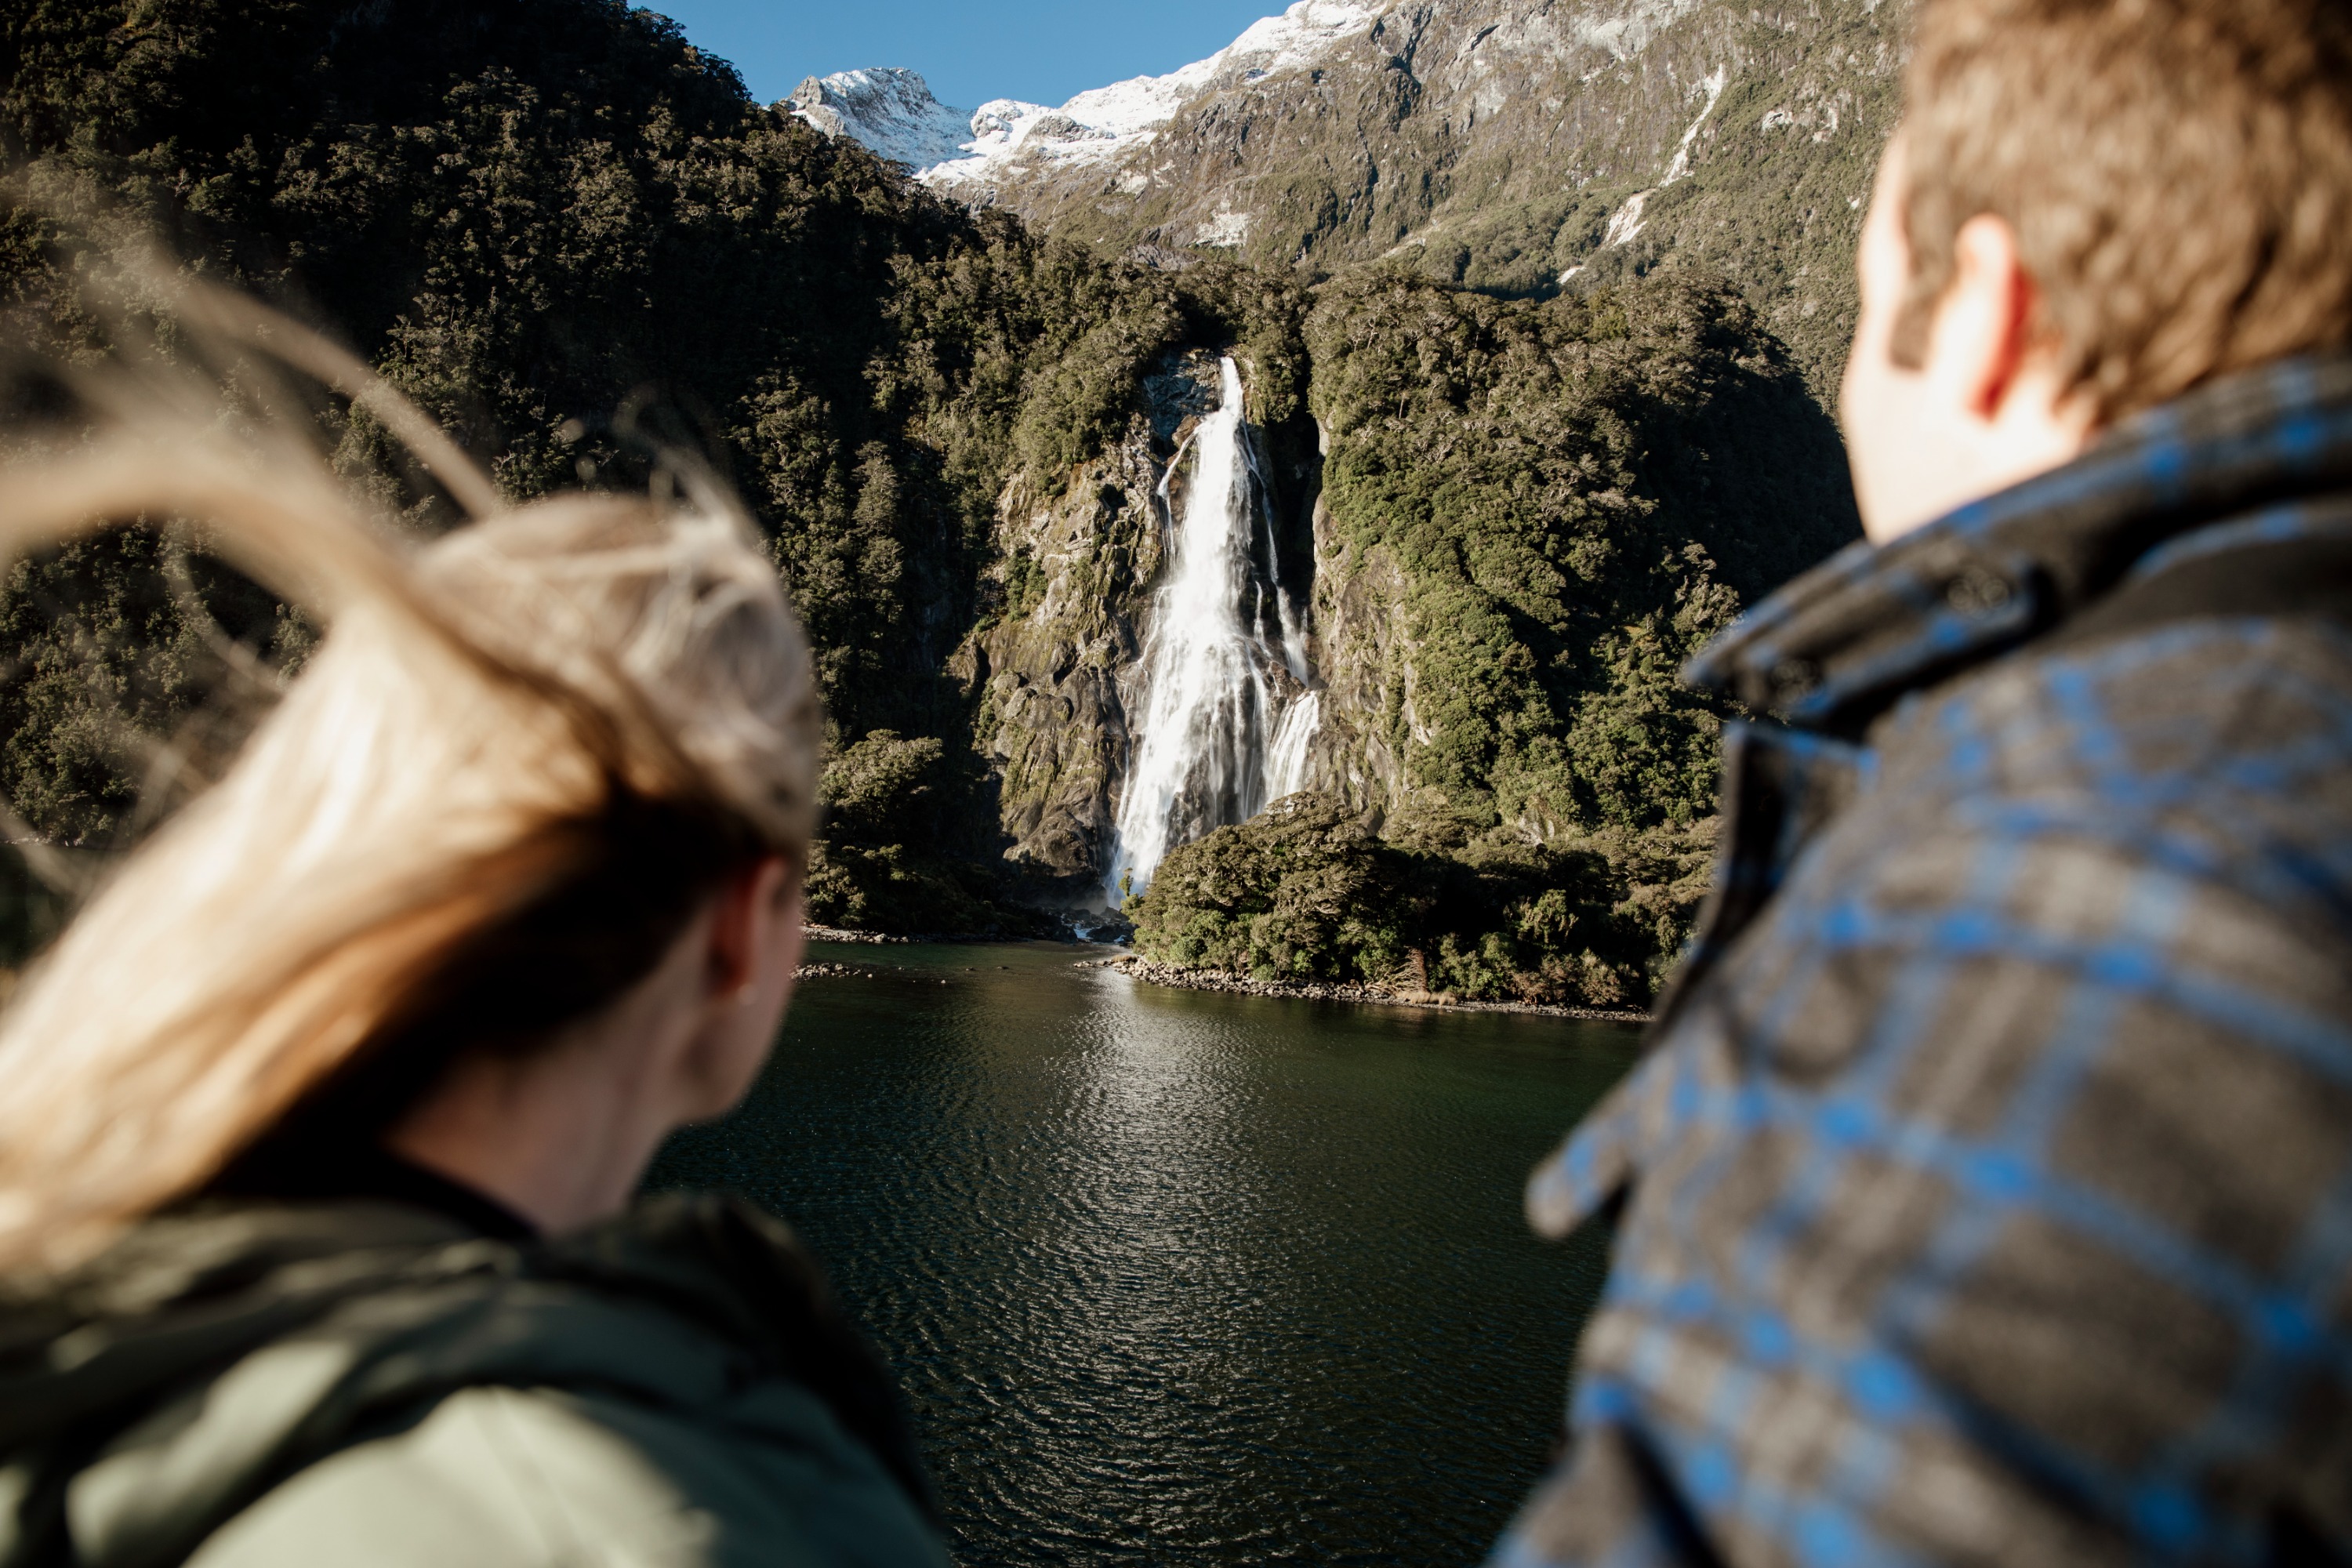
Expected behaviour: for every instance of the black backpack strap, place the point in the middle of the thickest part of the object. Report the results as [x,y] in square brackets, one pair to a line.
[2306,576]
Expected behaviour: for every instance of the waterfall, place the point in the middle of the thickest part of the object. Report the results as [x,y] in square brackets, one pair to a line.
[1286,765]
[1220,739]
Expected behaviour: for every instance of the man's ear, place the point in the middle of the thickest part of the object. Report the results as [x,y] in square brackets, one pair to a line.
[1984,330]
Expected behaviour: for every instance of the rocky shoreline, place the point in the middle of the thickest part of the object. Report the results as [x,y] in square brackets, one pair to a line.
[1082,926]
[1169,974]
[866,938]
[863,971]
[1183,979]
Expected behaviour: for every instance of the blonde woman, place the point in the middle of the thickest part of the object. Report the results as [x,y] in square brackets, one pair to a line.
[320,1126]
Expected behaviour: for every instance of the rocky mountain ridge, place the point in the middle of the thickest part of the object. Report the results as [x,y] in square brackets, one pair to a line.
[1496,144]
[889,110]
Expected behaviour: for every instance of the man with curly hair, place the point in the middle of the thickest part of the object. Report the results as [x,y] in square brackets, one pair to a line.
[1985,1194]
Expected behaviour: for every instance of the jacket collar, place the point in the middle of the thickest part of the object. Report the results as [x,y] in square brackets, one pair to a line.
[1839,645]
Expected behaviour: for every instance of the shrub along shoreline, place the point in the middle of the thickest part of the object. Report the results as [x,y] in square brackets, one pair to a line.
[1310,893]
[1185,978]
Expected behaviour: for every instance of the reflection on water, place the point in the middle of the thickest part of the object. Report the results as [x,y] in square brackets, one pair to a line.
[1173,1273]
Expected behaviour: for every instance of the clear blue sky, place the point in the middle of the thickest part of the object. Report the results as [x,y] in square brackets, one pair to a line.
[1042,50]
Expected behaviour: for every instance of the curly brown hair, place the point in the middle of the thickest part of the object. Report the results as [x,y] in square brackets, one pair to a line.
[2178,174]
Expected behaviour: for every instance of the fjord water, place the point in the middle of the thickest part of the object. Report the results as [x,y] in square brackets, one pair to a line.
[1183,1277]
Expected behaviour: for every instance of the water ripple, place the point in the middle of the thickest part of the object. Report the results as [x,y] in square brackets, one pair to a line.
[1174,1273]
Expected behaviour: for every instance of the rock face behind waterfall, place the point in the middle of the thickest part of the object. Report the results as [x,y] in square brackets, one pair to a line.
[1073,570]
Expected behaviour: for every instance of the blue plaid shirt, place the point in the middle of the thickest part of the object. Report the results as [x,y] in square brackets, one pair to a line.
[1986,1193]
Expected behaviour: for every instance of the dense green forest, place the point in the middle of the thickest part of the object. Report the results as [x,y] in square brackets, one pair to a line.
[568,234]
[1567,498]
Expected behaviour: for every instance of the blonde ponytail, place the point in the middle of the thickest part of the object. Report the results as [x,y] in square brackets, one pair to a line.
[483,715]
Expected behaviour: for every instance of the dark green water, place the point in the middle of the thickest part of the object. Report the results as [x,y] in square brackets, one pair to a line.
[1178,1276]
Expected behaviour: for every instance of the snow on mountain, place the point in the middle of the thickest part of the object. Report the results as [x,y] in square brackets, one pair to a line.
[1103,122]
[889,110]
[893,111]
[1625,224]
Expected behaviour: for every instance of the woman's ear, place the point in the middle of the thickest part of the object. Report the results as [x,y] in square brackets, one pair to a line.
[752,955]
[743,919]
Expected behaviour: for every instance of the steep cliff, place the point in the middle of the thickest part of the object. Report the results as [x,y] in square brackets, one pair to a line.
[1071,581]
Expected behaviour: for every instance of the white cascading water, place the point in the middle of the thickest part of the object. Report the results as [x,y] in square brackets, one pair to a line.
[1286,765]
[1211,748]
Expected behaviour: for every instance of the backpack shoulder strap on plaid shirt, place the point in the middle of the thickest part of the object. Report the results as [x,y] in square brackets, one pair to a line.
[2306,573]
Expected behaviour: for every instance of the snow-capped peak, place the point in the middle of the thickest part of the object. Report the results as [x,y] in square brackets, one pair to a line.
[1093,127]
[1300,37]
[889,110]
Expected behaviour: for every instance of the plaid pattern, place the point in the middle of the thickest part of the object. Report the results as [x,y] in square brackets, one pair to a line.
[1986,1196]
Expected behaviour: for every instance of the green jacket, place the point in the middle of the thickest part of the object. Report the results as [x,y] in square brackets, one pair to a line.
[360,1383]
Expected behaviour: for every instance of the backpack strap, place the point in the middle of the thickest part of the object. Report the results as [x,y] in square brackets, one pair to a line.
[2305,575]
